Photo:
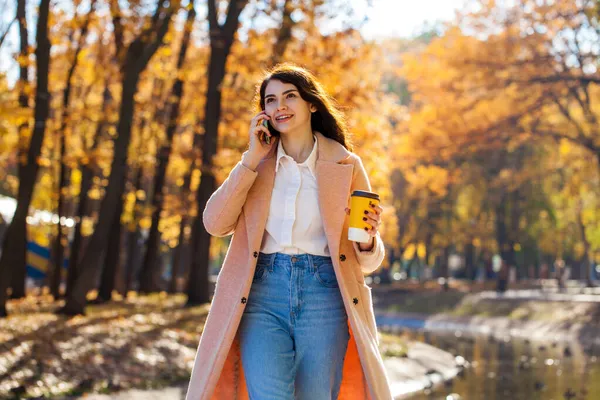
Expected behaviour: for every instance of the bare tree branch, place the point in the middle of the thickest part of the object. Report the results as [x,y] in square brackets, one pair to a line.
[3,37]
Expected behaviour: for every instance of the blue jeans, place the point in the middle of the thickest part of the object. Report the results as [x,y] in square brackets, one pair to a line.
[294,330]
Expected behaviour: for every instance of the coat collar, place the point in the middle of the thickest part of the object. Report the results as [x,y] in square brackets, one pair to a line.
[327,150]
[334,180]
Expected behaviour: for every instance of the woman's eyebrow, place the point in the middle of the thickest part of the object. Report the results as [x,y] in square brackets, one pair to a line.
[284,93]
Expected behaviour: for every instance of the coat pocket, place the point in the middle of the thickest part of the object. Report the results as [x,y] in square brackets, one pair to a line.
[367,304]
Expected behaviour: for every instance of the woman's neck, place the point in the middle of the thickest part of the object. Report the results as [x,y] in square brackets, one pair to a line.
[298,146]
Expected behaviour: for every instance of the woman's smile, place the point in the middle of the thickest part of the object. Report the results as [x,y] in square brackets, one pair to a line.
[283,118]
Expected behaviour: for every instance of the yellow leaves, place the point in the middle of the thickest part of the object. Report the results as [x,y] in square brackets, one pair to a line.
[195,180]
[40,236]
[565,148]
[76,177]
[46,180]
[431,177]
[112,130]
[140,195]
[145,222]
[95,193]
[415,250]
[517,247]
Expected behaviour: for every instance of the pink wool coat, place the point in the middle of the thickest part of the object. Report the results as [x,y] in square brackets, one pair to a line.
[240,206]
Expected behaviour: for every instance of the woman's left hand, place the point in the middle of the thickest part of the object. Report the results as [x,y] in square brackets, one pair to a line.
[373,218]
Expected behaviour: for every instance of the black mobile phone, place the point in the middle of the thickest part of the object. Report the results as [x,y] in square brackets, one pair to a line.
[272,131]
[267,139]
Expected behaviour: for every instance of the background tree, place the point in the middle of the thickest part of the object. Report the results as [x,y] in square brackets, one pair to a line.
[14,245]
[137,56]
[221,39]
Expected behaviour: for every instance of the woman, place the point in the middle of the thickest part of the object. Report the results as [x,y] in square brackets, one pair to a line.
[291,316]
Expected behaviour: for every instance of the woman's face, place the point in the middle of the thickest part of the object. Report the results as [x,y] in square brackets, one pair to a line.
[288,111]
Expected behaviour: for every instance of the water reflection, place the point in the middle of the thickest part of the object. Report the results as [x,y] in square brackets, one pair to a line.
[516,370]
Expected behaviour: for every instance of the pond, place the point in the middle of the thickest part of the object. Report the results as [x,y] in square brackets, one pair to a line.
[515,369]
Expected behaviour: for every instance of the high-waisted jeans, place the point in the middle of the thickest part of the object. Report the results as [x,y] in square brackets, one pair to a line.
[294,330]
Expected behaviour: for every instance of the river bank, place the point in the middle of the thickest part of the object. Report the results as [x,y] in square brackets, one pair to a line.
[565,319]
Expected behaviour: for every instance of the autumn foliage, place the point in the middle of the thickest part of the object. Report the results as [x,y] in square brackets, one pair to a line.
[482,136]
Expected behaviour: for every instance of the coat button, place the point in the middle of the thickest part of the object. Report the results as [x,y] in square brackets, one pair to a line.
[243,300]
[255,254]
[355,301]
[342,257]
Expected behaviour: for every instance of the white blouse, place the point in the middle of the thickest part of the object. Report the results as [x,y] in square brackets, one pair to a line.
[294,225]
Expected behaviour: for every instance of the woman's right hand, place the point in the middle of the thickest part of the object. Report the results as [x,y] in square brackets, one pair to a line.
[258,148]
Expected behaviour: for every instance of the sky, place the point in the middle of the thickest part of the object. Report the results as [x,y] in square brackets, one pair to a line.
[405,17]
[385,18]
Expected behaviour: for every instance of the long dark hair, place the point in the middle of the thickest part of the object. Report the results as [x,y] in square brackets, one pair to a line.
[328,119]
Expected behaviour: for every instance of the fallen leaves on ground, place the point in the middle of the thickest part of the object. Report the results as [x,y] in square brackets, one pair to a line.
[143,342]
[138,342]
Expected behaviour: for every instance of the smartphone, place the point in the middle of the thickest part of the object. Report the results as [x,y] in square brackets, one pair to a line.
[266,125]
[274,133]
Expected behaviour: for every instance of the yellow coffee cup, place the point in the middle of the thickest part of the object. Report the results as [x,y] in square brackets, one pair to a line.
[360,201]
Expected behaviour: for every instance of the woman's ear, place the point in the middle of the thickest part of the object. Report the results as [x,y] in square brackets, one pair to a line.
[313,108]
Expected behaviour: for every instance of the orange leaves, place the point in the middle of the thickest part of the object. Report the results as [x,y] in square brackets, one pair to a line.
[488,104]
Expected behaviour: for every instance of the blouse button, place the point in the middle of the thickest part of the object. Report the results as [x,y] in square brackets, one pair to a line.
[355,301]
[243,300]
[342,257]
[255,254]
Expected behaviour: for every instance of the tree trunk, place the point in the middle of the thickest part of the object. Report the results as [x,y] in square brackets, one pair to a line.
[138,55]
[87,268]
[113,256]
[220,44]
[135,239]
[176,269]
[182,243]
[501,230]
[56,275]
[87,175]
[12,261]
[444,268]
[18,289]
[470,261]
[285,32]
[504,244]
[428,241]
[148,275]
[23,54]
[585,262]
[63,173]
[514,235]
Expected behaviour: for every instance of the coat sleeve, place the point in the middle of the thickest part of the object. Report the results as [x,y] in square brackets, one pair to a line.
[225,204]
[369,260]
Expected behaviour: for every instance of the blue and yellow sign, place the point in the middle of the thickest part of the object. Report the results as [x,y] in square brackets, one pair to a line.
[38,260]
